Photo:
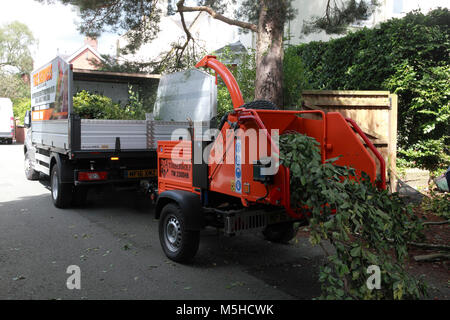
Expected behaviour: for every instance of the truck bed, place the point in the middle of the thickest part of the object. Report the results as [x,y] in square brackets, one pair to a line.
[101,135]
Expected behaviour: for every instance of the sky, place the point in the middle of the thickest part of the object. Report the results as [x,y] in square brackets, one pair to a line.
[54,26]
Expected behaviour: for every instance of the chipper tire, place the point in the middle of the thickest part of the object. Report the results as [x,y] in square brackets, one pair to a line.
[178,244]
[61,192]
[280,232]
[260,105]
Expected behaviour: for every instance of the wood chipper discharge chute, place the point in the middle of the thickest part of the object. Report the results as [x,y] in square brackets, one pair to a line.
[234,181]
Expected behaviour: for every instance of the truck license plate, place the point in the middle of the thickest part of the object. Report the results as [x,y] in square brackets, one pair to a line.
[140,173]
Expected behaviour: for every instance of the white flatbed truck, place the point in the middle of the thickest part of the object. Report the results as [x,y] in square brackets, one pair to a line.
[80,153]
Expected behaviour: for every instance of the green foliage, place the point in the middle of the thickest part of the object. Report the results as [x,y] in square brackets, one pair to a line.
[408,56]
[140,19]
[20,107]
[293,78]
[339,16]
[370,227]
[12,86]
[224,104]
[245,74]
[15,42]
[94,106]
[249,10]
[15,59]
[139,104]
[428,153]
[437,204]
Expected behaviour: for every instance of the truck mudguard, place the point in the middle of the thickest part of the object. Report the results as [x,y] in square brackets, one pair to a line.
[189,204]
[64,167]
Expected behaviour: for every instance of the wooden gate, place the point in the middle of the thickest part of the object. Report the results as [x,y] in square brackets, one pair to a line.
[374,111]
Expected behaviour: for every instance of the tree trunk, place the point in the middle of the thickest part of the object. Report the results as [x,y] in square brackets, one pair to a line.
[269,51]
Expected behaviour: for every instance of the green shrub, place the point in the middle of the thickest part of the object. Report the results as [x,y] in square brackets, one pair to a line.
[94,106]
[294,80]
[224,103]
[20,107]
[408,56]
[437,204]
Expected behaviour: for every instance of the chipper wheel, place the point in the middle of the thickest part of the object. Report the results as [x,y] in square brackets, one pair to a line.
[280,232]
[178,244]
[260,105]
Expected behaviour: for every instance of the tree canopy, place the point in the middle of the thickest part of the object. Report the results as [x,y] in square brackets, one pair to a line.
[339,16]
[15,42]
[139,22]
[15,59]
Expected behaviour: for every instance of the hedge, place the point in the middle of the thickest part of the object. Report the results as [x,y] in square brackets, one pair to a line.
[408,56]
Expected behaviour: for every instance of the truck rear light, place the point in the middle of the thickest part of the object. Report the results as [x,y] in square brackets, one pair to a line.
[12,124]
[92,176]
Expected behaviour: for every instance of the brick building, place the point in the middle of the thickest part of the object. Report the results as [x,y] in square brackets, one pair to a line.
[84,57]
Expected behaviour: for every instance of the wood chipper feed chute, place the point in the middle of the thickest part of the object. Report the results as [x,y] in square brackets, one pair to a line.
[336,139]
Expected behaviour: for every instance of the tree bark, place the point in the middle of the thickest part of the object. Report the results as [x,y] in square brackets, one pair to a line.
[269,51]
[269,45]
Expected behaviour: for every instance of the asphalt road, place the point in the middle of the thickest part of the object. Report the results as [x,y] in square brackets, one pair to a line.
[114,240]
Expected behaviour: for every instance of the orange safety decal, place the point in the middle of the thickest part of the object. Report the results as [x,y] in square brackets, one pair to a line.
[42,114]
[178,171]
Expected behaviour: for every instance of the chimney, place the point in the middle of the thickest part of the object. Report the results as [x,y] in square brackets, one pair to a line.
[92,42]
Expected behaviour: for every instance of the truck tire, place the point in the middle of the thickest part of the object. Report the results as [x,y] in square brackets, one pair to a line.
[30,173]
[260,105]
[177,243]
[61,192]
[280,232]
[10,141]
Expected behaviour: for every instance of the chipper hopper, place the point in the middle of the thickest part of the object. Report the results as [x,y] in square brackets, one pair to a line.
[231,179]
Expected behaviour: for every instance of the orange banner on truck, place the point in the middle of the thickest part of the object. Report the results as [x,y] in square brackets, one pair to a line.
[50,96]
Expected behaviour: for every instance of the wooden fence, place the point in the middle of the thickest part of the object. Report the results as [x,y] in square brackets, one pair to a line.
[374,111]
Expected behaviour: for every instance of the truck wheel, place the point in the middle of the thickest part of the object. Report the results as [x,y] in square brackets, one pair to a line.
[61,192]
[10,141]
[30,173]
[280,232]
[178,244]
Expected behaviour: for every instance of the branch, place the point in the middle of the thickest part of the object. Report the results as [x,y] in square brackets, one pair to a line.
[432,257]
[433,223]
[327,11]
[215,15]
[430,246]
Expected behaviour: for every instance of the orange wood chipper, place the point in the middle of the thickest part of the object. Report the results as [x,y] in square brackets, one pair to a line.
[232,180]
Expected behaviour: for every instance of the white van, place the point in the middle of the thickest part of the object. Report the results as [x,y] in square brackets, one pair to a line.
[6,120]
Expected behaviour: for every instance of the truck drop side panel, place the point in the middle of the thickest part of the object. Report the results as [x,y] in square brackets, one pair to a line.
[103,134]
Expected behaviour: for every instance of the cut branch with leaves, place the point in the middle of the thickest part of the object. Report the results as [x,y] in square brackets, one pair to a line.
[361,228]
